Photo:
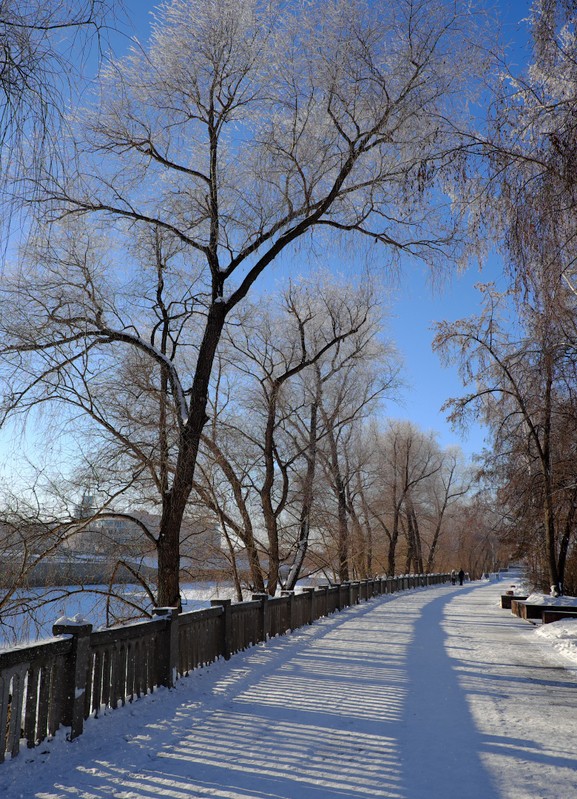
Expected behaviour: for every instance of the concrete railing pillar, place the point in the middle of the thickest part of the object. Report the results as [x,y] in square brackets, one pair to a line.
[169,654]
[76,671]
[226,628]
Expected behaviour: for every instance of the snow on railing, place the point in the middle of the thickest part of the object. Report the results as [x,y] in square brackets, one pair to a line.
[62,681]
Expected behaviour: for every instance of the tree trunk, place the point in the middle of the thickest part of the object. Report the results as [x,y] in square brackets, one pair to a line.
[343,566]
[391,555]
[175,499]
[549,508]
[269,515]
[307,504]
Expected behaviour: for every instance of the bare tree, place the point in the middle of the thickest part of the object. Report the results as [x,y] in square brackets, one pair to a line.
[404,458]
[524,389]
[452,484]
[343,406]
[240,132]
[525,363]
[323,328]
[44,45]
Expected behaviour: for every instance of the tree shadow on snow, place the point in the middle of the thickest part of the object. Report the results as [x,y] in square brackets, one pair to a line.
[438,741]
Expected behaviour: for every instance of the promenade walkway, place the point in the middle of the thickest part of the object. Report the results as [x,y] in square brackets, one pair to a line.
[431,694]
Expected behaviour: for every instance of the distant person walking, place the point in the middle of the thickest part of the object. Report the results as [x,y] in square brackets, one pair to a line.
[461,576]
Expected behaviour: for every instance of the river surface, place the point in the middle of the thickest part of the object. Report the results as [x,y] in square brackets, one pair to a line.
[31,616]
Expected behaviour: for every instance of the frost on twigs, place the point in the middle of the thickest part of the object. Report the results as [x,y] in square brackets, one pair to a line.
[241,134]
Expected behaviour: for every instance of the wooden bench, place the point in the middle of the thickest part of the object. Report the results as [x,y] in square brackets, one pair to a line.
[554,614]
[529,612]
[526,611]
[507,598]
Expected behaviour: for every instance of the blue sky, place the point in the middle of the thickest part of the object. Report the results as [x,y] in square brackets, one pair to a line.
[415,308]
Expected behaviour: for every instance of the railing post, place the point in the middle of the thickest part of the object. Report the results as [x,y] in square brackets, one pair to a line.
[311,593]
[168,655]
[324,592]
[226,638]
[290,598]
[264,620]
[77,667]
[343,587]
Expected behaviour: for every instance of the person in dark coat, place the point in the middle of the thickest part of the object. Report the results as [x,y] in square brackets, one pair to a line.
[461,576]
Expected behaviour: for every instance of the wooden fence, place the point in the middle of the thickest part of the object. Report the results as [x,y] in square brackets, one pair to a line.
[63,681]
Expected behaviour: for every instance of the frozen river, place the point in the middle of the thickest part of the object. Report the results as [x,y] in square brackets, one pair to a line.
[38,608]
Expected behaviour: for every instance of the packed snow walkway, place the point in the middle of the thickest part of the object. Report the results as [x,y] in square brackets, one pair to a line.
[432,693]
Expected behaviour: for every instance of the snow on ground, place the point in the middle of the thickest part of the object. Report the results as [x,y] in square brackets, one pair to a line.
[562,637]
[430,694]
[547,599]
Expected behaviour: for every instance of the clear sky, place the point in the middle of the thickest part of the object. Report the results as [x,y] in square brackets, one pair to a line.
[415,308]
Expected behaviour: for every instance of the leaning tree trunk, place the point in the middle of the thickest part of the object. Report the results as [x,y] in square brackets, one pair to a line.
[175,499]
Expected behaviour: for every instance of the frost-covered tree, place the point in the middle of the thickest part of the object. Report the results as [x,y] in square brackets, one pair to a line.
[525,366]
[532,189]
[43,46]
[524,382]
[317,339]
[239,132]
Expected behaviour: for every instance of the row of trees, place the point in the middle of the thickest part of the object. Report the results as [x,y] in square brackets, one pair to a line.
[246,134]
[242,134]
[520,351]
[293,447]
[295,472]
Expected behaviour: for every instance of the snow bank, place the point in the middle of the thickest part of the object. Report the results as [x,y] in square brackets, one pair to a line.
[546,599]
[561,636]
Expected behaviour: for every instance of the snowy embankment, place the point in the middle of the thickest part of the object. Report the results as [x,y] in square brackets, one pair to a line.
[435,688]
[560,636]
[556,601]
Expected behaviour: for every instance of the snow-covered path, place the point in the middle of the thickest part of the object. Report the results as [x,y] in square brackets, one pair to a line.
[433,693]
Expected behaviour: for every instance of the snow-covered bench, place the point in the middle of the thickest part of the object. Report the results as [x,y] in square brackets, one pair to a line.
[533,606]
